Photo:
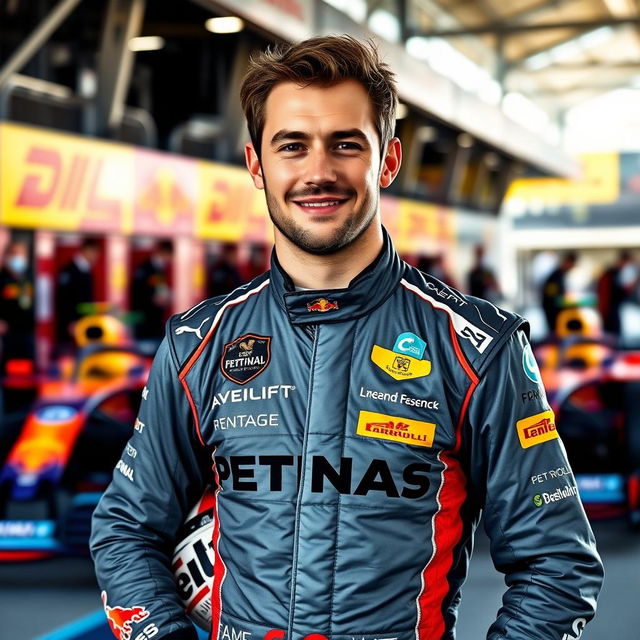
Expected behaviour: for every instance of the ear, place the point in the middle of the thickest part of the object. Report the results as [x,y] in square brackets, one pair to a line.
[391,163]
[253,164]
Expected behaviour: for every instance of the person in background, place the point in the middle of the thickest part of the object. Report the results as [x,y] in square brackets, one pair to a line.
[258,261]
[75,287]
[614,287]
[435,266]
[150,293]
[554,290]
[481,281]
[16,305]
[224,275]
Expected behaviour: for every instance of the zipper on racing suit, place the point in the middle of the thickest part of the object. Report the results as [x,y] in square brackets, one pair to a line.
[313,331]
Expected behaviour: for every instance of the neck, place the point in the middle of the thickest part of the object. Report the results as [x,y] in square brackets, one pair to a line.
[334,271]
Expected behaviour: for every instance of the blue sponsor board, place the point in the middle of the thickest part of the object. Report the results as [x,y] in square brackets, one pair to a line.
[31,535]
[601,488]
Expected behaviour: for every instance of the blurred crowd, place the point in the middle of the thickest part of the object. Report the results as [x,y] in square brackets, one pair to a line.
[76,292]
[608,289]
[562,283]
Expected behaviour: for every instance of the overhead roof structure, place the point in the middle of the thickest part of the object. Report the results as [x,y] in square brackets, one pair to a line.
[556,52]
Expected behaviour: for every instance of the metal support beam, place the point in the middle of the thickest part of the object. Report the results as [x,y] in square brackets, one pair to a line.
[536,10]
[115,62]
[39,36]
[372,5]
[478,195]
[501,66]
[488,10]
[592,85]
[457,162]
[632,66]
[509,171]
[515,62]
[510,29]
[403,18]
[234,123]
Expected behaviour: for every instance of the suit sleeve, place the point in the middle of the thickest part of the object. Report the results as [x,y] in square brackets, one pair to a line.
[540,537]
[161,475]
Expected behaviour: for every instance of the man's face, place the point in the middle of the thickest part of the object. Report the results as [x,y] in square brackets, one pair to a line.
[320,165]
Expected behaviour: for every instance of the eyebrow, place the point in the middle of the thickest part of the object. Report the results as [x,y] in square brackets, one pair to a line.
[285,134]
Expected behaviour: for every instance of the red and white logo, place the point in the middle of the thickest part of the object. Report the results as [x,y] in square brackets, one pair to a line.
[120,618]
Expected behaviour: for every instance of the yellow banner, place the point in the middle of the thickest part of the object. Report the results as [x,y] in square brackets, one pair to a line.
[61,182]
[598,184]
[66,182]
[230,208]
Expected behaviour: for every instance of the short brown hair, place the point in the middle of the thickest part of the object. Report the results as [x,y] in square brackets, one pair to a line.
[325,60]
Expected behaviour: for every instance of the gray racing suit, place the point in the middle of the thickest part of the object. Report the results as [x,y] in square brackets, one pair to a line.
[354,436]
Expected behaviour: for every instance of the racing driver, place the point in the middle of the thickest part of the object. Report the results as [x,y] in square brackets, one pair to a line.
[357,414]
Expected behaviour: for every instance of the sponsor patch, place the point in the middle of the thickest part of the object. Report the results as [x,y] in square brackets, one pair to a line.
[125,470]
[196,330]
[531,395]
[410,344]
[568,491]
[121,618]
[244,420]
[397,397]
[537,429]
[405,430]
[552,474]
[246,357]
[530,365]
[322,305]
[399,367]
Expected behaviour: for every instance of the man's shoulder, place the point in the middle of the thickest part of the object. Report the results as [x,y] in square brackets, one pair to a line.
[481,327]
[186,331]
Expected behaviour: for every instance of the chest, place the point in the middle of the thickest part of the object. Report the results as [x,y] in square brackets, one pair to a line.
[364,387]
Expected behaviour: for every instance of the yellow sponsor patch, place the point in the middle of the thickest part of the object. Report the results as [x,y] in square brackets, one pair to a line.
[399,367]
[379,425]
[537,429]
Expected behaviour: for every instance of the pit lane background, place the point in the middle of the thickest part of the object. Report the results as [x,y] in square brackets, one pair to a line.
[59,599]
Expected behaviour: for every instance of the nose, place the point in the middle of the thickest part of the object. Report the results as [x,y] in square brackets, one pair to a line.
[320,168]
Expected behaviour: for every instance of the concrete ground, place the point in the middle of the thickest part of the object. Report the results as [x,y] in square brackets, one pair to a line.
[38,598]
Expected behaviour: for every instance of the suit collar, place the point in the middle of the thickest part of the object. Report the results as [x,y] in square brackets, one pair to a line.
[367,291]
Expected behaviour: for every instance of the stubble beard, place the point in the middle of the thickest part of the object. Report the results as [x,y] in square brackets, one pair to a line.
[352,228]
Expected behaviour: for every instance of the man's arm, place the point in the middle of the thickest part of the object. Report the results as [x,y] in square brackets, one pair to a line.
[160,476]
[540,537]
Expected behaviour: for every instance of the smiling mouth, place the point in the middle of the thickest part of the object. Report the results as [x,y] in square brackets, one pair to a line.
[328,206]
[320,205]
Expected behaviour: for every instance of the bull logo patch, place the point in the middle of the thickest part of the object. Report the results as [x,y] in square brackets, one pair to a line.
[322,305]
[246,357]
